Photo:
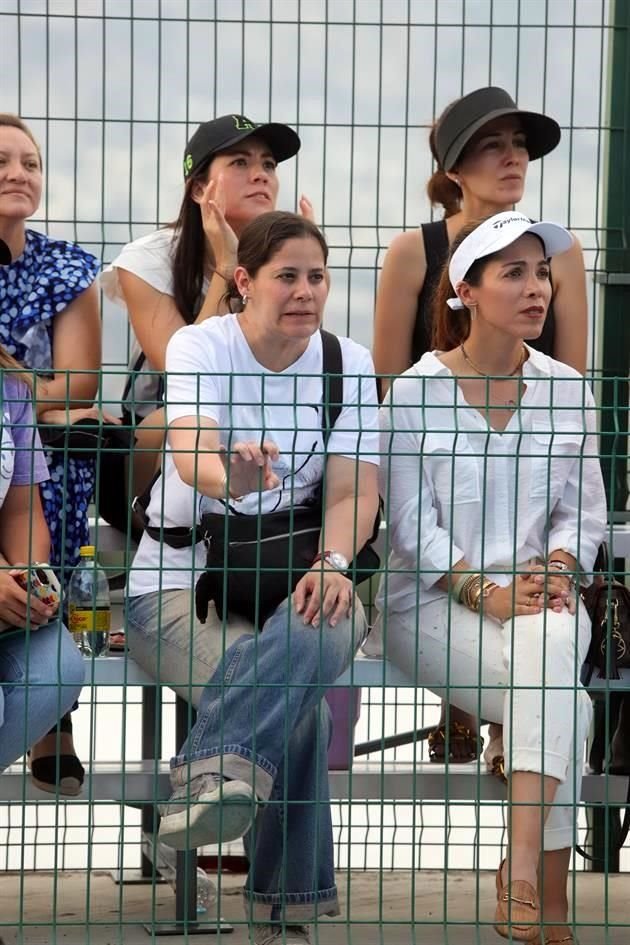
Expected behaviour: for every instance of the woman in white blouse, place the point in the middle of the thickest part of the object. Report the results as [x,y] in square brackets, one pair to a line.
[496,505]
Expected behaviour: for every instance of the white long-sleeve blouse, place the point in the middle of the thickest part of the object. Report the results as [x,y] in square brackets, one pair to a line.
[456,488]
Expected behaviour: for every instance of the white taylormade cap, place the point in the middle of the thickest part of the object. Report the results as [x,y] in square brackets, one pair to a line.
[495,234]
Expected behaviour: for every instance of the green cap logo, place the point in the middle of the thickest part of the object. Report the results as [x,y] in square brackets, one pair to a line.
[243,124]
[188,164]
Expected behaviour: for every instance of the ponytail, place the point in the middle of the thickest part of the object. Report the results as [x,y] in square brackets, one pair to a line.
[440,188]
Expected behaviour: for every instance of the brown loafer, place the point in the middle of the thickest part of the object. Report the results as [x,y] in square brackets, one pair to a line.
[518,910]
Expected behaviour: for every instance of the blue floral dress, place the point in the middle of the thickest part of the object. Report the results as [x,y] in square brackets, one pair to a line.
[43,281]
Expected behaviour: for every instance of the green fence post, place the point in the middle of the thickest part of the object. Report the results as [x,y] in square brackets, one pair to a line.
[615,279]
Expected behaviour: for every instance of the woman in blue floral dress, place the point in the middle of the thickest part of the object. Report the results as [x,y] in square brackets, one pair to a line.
[50,322]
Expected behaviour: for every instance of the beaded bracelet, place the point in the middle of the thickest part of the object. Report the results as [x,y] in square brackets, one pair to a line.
[456,586]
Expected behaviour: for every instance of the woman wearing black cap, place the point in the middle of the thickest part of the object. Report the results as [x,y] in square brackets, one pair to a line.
[178,275]
[482,145]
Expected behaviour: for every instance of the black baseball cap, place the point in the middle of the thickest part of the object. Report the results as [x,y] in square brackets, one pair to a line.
[463,118]
[221,133]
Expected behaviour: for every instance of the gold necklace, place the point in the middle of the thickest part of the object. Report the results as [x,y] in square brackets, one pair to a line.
[492,377]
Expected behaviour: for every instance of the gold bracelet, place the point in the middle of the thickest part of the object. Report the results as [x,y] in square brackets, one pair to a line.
[468,589]
[475,596]
[462,588]
[484,591]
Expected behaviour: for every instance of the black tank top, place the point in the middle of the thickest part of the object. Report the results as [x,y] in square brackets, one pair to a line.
[436,251]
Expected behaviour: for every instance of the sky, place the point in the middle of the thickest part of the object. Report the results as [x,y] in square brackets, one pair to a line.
[113,88]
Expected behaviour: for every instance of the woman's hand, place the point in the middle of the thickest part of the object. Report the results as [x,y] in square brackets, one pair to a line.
[555,588]
[529,593]
[219,234]
[16,604]
[306,209]
[323,592]
[249,467]
[67,417]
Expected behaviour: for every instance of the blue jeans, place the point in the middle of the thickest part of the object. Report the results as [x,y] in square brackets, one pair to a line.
[261,719]
[41,674]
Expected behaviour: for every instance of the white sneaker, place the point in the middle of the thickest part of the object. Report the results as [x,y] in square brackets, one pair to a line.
[277,935]
[208,810]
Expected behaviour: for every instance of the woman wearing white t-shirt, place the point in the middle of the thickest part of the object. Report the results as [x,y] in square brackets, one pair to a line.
[249,386]
[178,275]
[495,504]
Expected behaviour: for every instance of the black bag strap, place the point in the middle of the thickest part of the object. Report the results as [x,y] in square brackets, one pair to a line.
[332,403]
[129,402]
[332,378]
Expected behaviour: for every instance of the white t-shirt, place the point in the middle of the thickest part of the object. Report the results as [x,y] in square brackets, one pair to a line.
[151,259]
[211,372]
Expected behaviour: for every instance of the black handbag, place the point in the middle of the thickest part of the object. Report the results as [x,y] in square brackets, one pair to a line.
[254,562]
[607,601]
[86,438]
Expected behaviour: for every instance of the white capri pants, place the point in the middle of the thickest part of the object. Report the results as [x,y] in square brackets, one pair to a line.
[523,675]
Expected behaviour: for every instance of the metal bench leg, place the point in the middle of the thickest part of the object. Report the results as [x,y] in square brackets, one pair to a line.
[151,749]
[604,822]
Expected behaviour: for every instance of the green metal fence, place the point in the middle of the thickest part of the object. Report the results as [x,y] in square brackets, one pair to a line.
[111,88]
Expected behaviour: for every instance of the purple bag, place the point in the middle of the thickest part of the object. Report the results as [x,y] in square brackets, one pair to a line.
[345,708]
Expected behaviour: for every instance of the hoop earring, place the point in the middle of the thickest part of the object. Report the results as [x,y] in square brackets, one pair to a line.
[244,299]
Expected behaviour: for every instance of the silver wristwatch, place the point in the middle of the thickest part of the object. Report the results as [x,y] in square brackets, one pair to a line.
[335,559]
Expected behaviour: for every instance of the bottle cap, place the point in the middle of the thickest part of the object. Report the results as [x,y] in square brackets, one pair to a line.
[87,551]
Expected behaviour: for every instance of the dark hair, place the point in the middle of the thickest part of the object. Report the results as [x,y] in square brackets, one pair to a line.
[452,326]
[440,188]
[264,236]
[8,120]
[192,252]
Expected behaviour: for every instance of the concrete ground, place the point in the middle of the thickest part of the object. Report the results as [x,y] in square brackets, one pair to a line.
[54,913]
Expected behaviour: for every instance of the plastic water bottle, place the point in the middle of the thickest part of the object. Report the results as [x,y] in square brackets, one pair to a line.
[165,861]
[89,606]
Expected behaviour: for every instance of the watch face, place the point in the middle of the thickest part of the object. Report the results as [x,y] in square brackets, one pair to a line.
[338,561]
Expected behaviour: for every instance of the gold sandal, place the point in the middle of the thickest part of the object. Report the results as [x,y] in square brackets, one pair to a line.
[497,768]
